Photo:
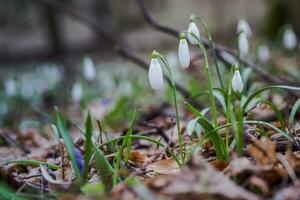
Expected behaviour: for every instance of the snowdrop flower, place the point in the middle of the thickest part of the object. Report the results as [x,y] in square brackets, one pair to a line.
[263,53]
[155,74]
[289,39]
[10,87]
[243,26]
[76,92]
[243,44]
[183,52]
[193,29]
[89,71]
[237,83]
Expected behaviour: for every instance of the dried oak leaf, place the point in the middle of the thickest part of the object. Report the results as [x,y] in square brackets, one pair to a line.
[199,180]
[166,166]
[263,151]
[260,184]
[138,158]
[293,159]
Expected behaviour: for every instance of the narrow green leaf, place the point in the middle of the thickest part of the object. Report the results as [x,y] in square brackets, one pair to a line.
[88,148]
[35,163]
[103,167]
[68,143]
[295,107]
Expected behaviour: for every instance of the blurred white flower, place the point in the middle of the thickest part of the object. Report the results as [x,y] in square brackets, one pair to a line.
[183,52]
[76,92]
[263,53]
[155,74]
[89,71]
[243,44]
[193,29]
[289,39]
[10,87]
[237,82]
[243,26]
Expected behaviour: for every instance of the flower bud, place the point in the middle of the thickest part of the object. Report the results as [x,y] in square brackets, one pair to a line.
[243,44]
[289,39]
[155,74]
[263,53]
[183,52]
[10,87]
[76,92]
[237,83]
[243,26]
[89,71]
[193,29]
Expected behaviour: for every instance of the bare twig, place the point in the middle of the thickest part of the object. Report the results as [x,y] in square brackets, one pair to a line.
[113,40]
[220,50]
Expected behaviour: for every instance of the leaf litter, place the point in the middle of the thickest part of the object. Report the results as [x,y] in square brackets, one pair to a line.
[264,171]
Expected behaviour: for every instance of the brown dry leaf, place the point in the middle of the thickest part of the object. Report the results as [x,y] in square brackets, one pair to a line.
[263,151]
[201,181]
[166,166]
[260,184]
[293,160]
[138,158]
[219,164]
[239,165]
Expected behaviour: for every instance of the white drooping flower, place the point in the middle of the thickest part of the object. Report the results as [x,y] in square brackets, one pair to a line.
[155,74]
[76,92]
[263,53]
[237,82]
[193,29]
[89,71]
[183,52]
[243,44]
[289,39]
[243,26]
[10,87]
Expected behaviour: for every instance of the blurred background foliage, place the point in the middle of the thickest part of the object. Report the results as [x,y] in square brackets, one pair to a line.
[42,52]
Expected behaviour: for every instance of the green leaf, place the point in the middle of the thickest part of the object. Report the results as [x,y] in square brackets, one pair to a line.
[254,94]
[103,168]
[35,163]
[56,133]
[88,149]
[68,143]
[295,107]
[216,139]
[277,113]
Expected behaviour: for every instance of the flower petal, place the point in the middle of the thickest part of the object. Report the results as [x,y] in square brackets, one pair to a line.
[193,29]
[184,53]
[155,74]
[237,83]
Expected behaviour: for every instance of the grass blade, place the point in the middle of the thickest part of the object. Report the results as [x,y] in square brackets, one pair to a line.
[295,107]
[103,167]
[68,143]
[35,163]
[88,148]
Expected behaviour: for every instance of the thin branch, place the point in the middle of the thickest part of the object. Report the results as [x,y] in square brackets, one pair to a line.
[105,34]
[220,50]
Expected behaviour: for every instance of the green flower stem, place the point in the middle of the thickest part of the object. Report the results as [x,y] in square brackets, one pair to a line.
[182,147]
[209,82]
[211,45]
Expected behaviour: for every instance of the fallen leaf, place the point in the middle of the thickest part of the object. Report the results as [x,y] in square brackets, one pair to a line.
[166,166]
[260,184]
[199,180]
[263,151]
[138,158]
